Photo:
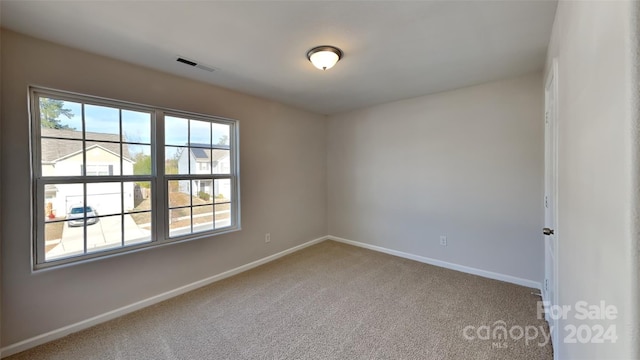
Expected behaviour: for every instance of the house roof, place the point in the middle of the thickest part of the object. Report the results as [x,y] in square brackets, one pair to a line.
[57,143]
[202,154]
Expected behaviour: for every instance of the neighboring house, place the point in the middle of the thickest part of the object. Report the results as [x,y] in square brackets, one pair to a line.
[62,156]
[203,160]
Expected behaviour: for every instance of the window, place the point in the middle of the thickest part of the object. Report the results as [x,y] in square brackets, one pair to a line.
[199,198]
[112,176]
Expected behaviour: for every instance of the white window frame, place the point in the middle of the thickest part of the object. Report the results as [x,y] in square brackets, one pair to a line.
[158,179]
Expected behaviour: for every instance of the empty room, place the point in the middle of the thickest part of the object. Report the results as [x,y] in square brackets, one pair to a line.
[320,179]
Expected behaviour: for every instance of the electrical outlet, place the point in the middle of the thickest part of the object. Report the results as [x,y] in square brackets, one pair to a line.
[267,237]
[443,240]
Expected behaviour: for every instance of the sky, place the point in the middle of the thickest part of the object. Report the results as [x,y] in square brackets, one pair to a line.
[136,125]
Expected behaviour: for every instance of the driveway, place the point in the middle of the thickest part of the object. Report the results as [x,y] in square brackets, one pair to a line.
[104,235]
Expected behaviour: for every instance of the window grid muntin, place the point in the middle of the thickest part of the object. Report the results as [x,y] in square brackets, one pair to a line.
[233,202]
[84,181]
[232,176]
[83,178]
[160,235]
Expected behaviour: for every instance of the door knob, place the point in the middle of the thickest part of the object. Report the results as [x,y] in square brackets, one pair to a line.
[547,231]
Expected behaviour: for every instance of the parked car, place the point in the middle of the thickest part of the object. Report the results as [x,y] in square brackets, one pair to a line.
[77,213]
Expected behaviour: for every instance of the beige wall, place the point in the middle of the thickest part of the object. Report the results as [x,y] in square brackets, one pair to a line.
[1,230]
[283,184]
[467,164]
[596,46]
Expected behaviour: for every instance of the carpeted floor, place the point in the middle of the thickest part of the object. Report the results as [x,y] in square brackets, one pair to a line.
[328,301]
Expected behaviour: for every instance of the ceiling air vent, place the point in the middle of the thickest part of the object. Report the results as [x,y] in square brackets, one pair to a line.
[185,61]
[195,64]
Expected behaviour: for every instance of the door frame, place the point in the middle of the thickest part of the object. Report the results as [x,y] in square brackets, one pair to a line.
[550,287]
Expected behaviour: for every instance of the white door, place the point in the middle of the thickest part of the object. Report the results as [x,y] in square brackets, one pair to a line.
[550,286]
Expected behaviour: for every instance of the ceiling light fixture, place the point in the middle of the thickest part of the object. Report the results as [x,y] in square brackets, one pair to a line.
[324,57]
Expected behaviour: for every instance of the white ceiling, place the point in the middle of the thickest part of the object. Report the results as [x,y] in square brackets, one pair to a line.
[393,49]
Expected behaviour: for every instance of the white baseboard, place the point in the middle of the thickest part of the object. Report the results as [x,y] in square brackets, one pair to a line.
[444,264]
[69,329]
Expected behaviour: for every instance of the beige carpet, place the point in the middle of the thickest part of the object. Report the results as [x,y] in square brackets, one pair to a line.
[328,301]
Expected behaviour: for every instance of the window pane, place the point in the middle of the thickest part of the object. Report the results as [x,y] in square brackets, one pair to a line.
[220,134]
[176,160]
[102,123]
[54,209]
[179,222]
[137,196]
[69,197]
[176,131]
[202,191]
[179,193]
[53,237]
[137,159]
[142,220]
[223,215]
[200,161]
[221,161]
[136,126]
[222,190]
[103,159]
[105,198]
[62,240]
[104,233]
[200,132]
[60,118]
[137,228]
[202,218]
[61,157]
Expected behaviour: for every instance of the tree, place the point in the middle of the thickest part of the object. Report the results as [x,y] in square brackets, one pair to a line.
[50,110]
[142,165]
[223,140]
[171,166]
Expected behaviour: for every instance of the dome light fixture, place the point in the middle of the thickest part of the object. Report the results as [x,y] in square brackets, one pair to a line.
[325,56]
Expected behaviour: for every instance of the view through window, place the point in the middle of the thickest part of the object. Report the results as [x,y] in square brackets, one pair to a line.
[107,182]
